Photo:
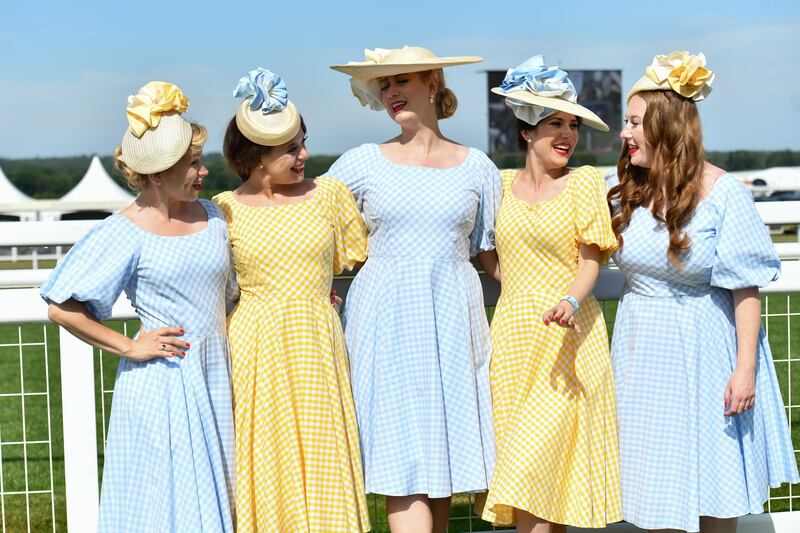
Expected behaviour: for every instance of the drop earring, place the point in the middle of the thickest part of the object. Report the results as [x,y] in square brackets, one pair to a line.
[430,99]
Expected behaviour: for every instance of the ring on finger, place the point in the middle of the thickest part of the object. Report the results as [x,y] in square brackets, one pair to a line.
[164,347]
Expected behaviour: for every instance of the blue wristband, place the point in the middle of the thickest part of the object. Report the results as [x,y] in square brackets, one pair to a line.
[573,302]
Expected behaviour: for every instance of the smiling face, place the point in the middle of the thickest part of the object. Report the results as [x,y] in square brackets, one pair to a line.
[407,96]
[633,133]
[184,180]
[285,164]
[553,139]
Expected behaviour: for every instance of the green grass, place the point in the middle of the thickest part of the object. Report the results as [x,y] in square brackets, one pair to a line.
[38,464]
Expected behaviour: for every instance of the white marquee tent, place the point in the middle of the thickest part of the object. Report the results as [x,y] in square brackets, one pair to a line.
[12,195]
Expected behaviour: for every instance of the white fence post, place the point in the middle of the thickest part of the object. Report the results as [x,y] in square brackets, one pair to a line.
[80,430]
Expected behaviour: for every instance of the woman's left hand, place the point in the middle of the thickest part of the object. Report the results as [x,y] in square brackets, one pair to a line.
[563,315]
[740,392]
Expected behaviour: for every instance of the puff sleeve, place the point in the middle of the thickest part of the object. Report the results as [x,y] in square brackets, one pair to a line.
[350,233]
[97,268]
[592,216]
[352,169]
[481,238]
[745,256]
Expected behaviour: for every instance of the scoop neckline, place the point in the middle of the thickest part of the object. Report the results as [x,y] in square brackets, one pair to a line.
[299,202]
[198,232]
[401,165]
[540,202]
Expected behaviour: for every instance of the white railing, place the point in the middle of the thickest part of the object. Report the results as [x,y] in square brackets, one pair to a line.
[78,396]
[21,307]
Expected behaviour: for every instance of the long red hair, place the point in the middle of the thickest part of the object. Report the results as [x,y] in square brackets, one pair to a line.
[675,140]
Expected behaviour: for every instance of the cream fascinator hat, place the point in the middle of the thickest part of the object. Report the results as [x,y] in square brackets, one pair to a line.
[534,91]
[157,136]
[266,116]
[383,62]
[681,72]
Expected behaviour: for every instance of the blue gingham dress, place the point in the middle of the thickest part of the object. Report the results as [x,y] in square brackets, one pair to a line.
[415,325]
[169,456]
[674,348]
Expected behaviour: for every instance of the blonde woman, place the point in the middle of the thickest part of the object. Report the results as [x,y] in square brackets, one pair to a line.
[415,325]
[169,457]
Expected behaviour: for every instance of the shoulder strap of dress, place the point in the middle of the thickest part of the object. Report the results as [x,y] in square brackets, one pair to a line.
[508,175]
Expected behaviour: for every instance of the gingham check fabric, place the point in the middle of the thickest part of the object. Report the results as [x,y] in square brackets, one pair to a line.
[415,324]
[674,348]
[552,388]
[169,456]
[297,453]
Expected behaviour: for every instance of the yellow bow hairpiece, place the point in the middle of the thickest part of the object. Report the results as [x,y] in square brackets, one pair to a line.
[686,74]
[151,102]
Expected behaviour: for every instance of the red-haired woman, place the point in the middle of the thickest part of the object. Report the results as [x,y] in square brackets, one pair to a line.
[702,429]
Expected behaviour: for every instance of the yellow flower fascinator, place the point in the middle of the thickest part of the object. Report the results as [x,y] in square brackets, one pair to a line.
[681,72]
[154,100]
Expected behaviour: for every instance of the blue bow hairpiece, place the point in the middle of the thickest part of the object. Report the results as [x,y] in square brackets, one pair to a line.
[268,91]
[534,76]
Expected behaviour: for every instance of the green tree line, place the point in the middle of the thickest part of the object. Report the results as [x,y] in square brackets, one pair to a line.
[52,178]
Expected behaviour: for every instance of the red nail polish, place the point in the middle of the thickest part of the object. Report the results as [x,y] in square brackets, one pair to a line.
[182,331]
[188,345]
[183,353]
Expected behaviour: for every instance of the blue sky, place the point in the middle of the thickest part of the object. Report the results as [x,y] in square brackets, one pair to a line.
[66,68]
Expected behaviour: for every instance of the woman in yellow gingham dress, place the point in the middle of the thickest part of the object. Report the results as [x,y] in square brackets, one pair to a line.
[298,462]
[551,377]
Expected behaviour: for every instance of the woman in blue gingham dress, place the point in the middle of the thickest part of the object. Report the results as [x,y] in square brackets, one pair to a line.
[702,427]
[415,325]
[169,455]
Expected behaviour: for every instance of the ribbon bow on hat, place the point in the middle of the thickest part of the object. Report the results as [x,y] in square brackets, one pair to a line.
[266,90]
[686,74]
[368,91]
[534,91]
[155,99]
[681,72]
[535,76]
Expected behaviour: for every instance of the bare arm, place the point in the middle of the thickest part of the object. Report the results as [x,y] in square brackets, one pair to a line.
[740,392]
[589,270]
[489,263]
[74,317]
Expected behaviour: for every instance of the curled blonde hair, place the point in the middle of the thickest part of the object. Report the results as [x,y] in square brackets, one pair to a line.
[138,181]
[446,101]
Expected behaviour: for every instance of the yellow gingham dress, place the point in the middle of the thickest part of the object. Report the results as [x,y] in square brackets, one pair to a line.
[298,463]
[552,388]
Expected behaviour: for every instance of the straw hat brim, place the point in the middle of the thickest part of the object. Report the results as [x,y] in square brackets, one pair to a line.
[559,104]
[380,70]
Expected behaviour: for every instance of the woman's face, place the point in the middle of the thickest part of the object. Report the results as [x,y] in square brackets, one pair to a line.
[553,139]
[407,96]
[633,133]
[285,164]
[184,180]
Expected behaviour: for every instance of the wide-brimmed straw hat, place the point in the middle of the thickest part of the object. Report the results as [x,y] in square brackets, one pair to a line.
[265,116]
[157,136]
[681,72]
[534,91]
[383,62]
